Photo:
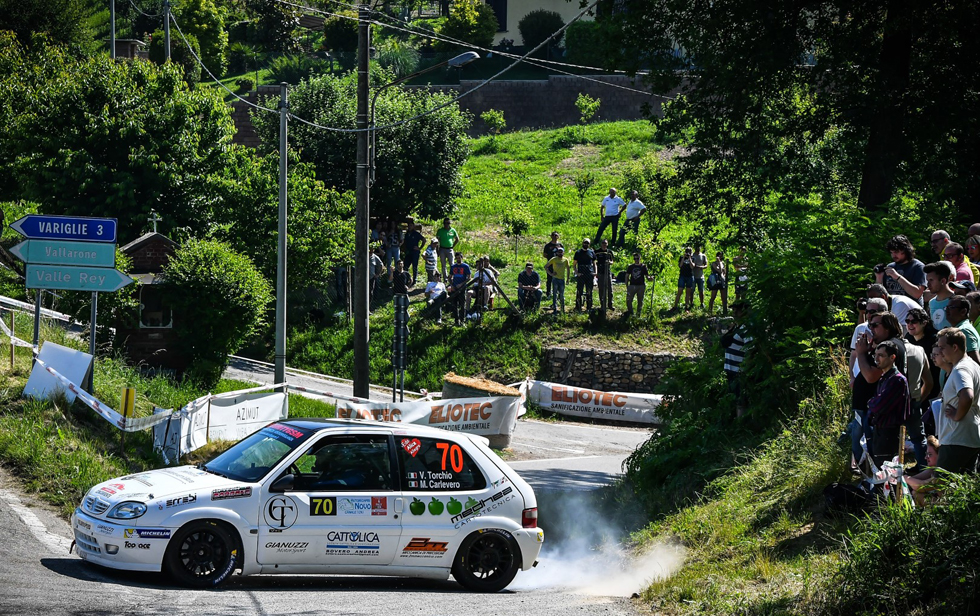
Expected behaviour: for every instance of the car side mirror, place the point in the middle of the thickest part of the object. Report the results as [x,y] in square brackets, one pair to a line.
[283,484]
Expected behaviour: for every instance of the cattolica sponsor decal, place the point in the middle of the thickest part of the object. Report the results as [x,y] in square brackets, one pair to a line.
[353,543]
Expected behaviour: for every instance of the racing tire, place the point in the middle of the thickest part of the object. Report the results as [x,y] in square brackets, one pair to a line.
[487,561]
[201,555]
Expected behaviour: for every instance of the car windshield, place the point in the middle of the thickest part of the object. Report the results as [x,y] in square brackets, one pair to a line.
[251,458]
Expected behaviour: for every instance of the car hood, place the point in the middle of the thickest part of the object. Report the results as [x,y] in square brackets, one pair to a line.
[158,484]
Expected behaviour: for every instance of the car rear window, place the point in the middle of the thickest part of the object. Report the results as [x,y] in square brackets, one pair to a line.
[432,464]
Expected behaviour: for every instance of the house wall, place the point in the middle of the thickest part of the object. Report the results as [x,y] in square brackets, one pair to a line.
[517,9]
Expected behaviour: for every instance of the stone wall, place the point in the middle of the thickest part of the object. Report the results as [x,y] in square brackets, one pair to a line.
[551,102]
[626,371]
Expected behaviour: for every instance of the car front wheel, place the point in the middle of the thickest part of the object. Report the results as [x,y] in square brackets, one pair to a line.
[487,561]
[201,555]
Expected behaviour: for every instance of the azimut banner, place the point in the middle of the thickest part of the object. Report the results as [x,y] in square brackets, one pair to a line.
[220,417]
[485,416]
[582,402]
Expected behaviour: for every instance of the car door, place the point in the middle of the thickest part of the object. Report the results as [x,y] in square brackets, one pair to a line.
[342,510]
[443,488]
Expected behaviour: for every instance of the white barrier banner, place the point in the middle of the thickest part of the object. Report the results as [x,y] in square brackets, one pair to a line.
[227,417]
[580,402]
[484,416]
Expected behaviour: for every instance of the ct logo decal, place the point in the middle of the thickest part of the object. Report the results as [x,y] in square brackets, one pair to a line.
[280,512]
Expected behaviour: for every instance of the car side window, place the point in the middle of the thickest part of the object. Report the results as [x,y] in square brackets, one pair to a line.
[432,464]
[346,463]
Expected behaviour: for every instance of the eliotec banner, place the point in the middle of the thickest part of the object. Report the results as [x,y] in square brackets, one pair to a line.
[495,416]
[581,402]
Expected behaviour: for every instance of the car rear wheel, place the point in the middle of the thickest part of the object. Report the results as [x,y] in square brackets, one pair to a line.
[201,555]
[487,561]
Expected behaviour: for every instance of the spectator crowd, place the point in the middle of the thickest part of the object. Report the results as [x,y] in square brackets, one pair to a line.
[915,360]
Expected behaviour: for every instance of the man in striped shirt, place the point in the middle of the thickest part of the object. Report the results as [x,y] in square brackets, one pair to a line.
[735,342]
[431,255]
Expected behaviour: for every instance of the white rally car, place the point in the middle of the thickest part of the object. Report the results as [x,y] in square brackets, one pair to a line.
[322,496]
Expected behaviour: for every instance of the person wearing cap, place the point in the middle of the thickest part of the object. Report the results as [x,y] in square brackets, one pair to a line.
[962,287]
[558,269]
[612,207]
[529,287]
[584,273]
[431,257]
[550,250]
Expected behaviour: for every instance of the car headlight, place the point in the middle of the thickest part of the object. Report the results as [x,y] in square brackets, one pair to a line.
[127,510]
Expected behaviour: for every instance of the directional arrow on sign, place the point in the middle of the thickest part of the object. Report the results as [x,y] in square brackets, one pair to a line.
[60,252]
[71,278]
[37,226]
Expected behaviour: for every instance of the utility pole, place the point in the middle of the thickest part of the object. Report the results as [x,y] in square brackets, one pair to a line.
[362,325]
[166,28]
[280,371]
[112,29]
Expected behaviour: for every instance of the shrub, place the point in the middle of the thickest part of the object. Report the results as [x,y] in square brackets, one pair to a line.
[218,299]
[583,43]
[340,32]
[245,84]
[587,107]
[471,21]
[397,56]
[294,69]
[537,26]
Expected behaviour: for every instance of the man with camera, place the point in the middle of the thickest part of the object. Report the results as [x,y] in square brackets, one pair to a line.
[904,275]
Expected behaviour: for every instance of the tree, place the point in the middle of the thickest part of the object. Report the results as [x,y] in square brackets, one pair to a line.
[517,221]
[321,219]
[203,19]
[418,163]
[64,22]
[93,137]
[471,21]
[274,24]
[219,299]
[181,54]
[538,26]
[775,93]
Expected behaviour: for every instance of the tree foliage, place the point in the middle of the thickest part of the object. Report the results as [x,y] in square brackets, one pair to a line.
[272,24]
[203,19]
[871,99]
[219,299]
[64,22]
[471,21]
[320,219]
[539,25]
[418,163]
[181,54]
[92,137]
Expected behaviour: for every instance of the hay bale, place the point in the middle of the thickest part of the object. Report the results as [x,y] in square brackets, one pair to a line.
[455,386]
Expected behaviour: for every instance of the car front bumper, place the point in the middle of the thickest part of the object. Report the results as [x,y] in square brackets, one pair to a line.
[119,546]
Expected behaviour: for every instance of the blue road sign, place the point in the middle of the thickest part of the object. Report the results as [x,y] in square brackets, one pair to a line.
[38,227]
[60,252]
[74,278]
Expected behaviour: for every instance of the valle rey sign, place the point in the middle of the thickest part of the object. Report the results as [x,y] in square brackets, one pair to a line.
[71,278]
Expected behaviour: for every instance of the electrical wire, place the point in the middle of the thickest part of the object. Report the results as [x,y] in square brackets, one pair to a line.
[439,37]
[138,10]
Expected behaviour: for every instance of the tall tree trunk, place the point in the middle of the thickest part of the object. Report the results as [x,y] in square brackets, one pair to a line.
[886,140]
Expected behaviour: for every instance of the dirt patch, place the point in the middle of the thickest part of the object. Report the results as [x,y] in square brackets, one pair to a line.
[577,158]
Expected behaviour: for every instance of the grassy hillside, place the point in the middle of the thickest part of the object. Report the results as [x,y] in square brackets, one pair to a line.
[536,169]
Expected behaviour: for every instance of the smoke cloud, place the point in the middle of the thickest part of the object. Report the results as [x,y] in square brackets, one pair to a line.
[583,550]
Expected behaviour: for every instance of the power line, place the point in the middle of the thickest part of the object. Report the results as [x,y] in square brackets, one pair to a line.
[138,10]
[436,36]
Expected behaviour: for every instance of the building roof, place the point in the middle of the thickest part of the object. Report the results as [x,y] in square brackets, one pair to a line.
[144,240]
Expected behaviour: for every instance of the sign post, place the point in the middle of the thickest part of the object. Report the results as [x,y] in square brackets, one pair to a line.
[69,253]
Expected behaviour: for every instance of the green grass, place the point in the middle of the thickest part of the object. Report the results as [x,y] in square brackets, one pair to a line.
[757,541]
[59,450]
[229,82]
